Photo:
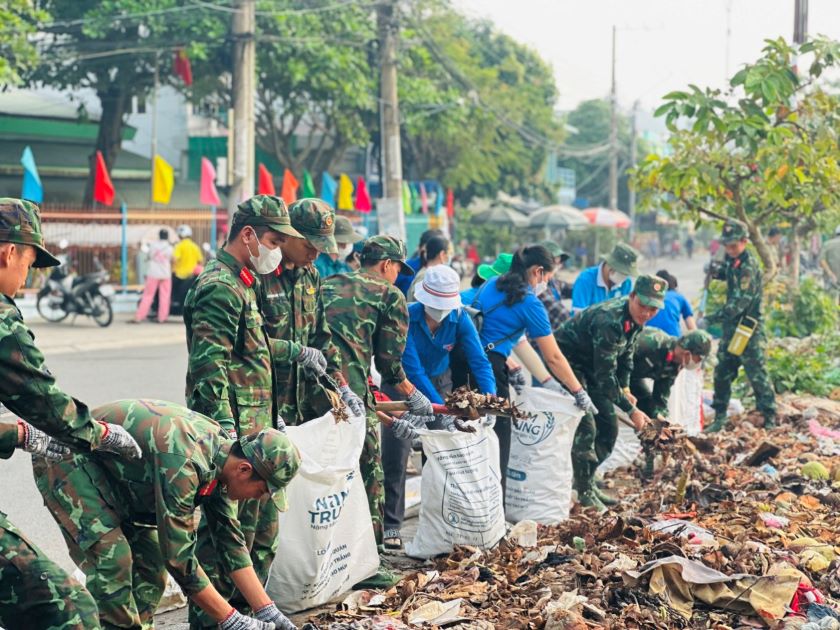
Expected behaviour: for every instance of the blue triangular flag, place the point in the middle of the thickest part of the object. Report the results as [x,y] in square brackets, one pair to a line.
[328,188]
[32,188]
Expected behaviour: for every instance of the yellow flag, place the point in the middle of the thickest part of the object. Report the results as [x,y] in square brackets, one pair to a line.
[163,181]
[345,193]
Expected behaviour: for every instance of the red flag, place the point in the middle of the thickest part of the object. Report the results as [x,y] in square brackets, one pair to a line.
[181,66]
[266,183]
[290,186]
[103,189]
[362,196]
[450,203]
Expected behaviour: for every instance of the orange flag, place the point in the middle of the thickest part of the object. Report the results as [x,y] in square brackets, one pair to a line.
[290,187]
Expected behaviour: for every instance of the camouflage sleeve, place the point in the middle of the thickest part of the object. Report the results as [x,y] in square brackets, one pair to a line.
[8,438]
[216,314]
[746,290]
[624,366]
[322,338]
[228,539]
[389,338]
[284,351]
[661,393]
[606,346]
[29,391]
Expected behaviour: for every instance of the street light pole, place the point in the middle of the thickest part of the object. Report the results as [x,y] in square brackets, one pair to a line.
[632,192]
[613,135]
[242,134]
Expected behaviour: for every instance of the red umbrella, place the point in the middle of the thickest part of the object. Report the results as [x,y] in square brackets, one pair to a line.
[604,217]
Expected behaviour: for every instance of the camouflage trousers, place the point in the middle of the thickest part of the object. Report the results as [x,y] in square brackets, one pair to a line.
[35,593]
[594,439]
[370,465]
[259,520]
[121,559]
[754,361]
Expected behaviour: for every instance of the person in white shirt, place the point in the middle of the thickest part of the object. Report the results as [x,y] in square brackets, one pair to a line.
[158,279]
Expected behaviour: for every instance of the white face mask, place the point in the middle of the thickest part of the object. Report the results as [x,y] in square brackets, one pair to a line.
[541,287]
[691,364]
[345,250]
[267,259]
[617,278]
[437,314]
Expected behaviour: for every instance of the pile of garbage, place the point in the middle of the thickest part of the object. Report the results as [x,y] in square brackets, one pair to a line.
[740,531]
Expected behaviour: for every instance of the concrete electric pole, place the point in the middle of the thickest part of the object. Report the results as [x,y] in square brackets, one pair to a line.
[242,134]
[631,202]
[613,135]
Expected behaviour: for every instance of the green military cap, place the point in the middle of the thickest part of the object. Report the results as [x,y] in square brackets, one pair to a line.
[651,290]
[275,459]
[315,220]
[268,211]
[500,266]
[697,342]
[383,247]
[733,230]
[20,222]
[344,232]
[623,259]
[554,249]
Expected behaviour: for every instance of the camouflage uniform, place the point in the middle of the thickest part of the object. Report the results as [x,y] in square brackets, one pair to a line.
[34,592]
[230,373]
[743,299]
[129,522]
[369,320]
[599,343]
[294,313]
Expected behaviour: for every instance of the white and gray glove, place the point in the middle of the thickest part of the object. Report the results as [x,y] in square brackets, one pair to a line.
[281,424]
[313,359]
[552,385]
[451,423]
[353,402]
[583,401]
[405,427]
[419,404]
[237,621]
[117,440]
[272,614]
[37,442]
[516,379]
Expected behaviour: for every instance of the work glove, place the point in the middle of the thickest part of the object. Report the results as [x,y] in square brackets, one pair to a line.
[39,443]
[237,621]
[117,440]
[583,401]
[419,404]
[552,385]
[353,402]
[313,359]
[281,424]
[452,423]
[703,323]
[516,379]
[403,430]
[273,615]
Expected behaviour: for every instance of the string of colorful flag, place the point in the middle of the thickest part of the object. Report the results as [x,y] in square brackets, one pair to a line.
[417,197]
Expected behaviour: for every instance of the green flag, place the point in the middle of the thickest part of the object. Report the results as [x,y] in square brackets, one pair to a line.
[406,198]
[308,189]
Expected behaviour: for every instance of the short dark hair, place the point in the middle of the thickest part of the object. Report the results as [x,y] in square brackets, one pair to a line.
[236,451]
[669,278]
[476,281]
[237,226]
[163,234]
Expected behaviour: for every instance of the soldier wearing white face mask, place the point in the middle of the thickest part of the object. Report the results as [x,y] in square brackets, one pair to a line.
[613,277]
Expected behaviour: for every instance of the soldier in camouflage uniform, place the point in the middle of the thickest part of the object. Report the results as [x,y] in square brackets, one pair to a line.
[742,274]
[131,522]
[294,314]
[35,593]
[368,320]
[230,373]
[599,343]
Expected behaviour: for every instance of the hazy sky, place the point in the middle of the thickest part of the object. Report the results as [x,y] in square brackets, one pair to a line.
[661,44]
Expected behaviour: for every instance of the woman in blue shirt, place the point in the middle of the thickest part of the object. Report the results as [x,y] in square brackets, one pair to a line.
[436,324]
[510,308]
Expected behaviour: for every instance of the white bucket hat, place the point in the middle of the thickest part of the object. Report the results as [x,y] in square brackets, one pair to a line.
[440,288]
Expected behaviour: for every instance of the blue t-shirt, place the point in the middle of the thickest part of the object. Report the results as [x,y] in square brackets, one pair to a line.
[404,281]
[590,289]
[468,295]
[327,267]
[668,318]
[503,325]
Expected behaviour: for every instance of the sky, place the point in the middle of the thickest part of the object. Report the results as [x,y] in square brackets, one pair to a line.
[661,45]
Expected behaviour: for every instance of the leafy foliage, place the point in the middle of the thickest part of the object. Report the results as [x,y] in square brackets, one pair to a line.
[800,312]
[18,20]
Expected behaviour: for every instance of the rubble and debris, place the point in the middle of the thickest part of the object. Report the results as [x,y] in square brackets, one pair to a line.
[473,405]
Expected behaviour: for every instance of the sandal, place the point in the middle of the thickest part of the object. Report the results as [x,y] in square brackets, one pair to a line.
[392,541]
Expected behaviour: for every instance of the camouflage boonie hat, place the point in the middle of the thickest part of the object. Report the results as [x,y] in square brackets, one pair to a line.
[275,459]
[268,211]
[386,248]
[315,220]
[733,230]
[344,232]
[555,250]
[697,342]
[623,259]
[651,290]
[20,222]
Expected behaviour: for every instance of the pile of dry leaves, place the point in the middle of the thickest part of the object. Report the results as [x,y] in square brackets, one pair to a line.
[732,533]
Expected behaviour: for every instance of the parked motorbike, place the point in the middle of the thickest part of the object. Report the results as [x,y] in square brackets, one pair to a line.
[67,293]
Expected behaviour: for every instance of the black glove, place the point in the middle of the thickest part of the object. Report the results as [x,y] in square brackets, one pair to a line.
[117,440]
[272,614]
[419,404]
[39,443]
[237,621]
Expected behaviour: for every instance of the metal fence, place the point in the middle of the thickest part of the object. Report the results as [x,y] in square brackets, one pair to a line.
[114,238]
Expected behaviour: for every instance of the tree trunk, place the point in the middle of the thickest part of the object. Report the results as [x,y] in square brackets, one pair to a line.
[114,100]
[757,238]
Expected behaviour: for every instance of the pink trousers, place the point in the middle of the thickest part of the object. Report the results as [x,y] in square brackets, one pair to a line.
[163,286]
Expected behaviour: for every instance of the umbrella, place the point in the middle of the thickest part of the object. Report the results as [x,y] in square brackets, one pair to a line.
[604,217]
[500,215]
[557,216]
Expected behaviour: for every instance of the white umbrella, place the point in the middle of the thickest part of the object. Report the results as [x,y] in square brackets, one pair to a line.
[558,217]
[604,217]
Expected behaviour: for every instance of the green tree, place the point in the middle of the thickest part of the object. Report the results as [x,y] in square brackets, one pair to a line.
[18,23]
[765,153]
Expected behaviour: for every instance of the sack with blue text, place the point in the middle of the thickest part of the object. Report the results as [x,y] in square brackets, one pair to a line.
[326,542]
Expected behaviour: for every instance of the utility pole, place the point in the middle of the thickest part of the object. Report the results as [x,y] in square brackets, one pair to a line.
[800,22]
[242,134]
[728,41]
[613,135]
[632,200]
[154,132]
[389,209]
